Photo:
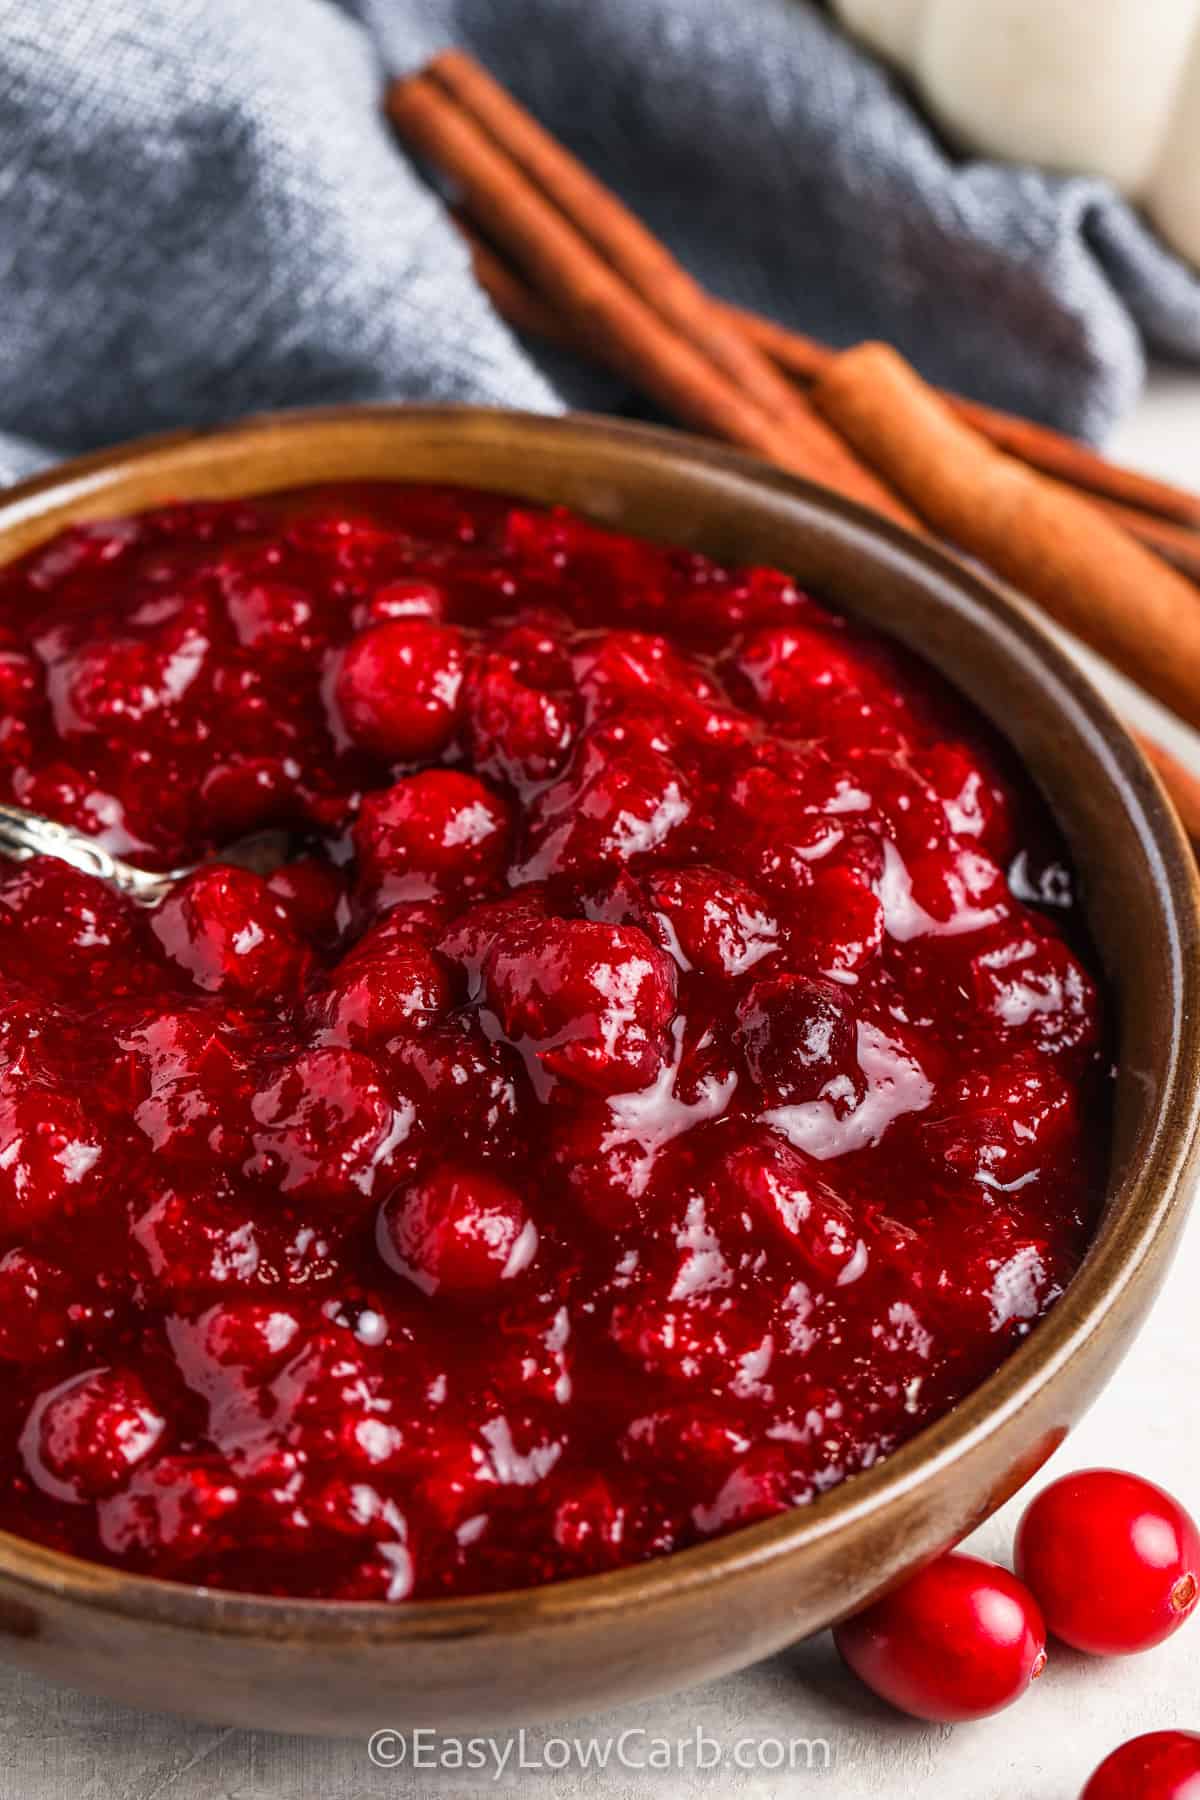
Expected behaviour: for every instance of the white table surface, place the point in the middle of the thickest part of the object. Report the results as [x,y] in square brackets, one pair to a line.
[60,1745]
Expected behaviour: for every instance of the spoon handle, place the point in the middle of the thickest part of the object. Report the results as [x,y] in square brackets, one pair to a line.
[25,834]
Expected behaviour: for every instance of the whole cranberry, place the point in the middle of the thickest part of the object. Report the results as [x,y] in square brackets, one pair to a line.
[797,1035]
[960,1640]
[591,1002]
[371,998]
[784,1191]
[51,1158]
[620,799]
[35,1298]
[398,688]
[460,1231]
[1161,1765]
[1114,1561]
[437,833]
[517,732]
[232,935]
[718,924]
[325,1127]
[86,1437]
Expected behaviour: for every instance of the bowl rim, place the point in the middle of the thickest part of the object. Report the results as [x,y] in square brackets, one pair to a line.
[1154,1193]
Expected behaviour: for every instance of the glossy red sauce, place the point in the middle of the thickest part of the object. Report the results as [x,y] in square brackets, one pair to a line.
[668,1075]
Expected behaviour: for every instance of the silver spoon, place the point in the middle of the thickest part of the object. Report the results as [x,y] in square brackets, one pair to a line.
[25,834]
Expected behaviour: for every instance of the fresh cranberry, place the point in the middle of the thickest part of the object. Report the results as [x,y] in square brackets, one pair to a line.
[226,929]
[437,833]
[1160,1765]
[960,1640]
[85,1438]
[398,688]
[589,1002]
[1113,1560]
[459,1232]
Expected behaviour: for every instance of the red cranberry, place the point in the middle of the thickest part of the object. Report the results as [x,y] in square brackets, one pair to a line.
[620,800]
[398,688]
[401,599]
[371,998]
[188,1243]
[1036,992]
[82,939]
[231,935]
[436,833]
[518,732]
[85,1438]
[785,1192]
[960,1640]
[1113,1560]
[272,617]
[797,1035]
[172,1512]
[315,897]
[51,1159]
[1161,1765]
[837,926]
[326,1127]
[35,1300]
[193,1091]
[718,924]
[590,1002]
[460,1231]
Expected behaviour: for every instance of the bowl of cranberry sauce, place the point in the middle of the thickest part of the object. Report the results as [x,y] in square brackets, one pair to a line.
[670,1069]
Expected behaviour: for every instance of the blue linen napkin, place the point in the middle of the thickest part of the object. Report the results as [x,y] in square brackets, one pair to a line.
[202,212]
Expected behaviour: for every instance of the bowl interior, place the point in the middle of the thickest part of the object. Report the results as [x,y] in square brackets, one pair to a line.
[1135,867]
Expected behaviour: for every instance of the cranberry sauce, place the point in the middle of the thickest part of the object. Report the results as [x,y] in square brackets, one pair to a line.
[666,1076]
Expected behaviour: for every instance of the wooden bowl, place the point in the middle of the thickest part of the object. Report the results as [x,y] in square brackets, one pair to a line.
[571,1648]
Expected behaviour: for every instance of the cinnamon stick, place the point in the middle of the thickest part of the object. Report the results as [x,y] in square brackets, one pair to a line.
[1179,781]
[670,362]
[1039,445]
[1085,570]
[527,312]
[615,232]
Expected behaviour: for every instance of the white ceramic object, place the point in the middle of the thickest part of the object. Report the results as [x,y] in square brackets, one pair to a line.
[1101,87]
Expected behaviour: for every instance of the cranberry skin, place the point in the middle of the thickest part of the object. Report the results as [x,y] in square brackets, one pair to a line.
[51,1159]
[86,1438]
[961,1640]
[591,1001]
[796,1035]
[372,997]
[399,686]
[440,833]
[1161,1765]
[719,925]
[1114,1561]
[230,933]
[325,1127]
[460,1232]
